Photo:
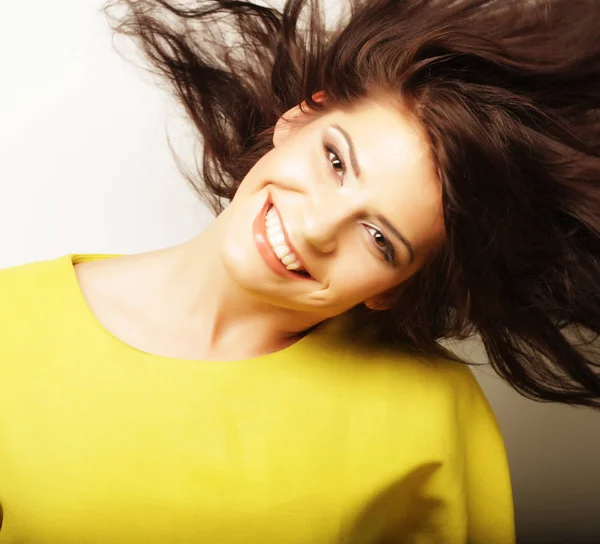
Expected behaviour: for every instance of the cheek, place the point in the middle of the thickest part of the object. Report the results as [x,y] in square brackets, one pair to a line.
[358,274]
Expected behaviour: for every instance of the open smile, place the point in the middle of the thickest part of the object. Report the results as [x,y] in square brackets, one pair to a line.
[274,246]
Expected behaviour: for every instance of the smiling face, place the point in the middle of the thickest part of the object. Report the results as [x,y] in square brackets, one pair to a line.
[350,196]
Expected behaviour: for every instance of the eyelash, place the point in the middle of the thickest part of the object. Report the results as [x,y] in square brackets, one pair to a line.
[330,149]
[388,253]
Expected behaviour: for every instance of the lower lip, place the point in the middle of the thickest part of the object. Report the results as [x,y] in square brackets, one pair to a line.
[259,230]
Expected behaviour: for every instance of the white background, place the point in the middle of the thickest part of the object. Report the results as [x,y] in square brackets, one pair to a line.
[85,168]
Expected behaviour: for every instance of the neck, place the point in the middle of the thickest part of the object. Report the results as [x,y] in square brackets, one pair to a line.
[220,315]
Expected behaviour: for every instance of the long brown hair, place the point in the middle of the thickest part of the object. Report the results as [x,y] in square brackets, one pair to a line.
[508,92]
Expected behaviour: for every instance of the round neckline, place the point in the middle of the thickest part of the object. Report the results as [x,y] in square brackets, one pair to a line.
[72,259]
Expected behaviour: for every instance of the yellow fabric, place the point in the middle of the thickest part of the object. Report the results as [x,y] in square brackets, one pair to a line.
[322,442]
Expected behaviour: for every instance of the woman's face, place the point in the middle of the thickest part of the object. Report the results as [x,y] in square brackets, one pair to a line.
[354,196]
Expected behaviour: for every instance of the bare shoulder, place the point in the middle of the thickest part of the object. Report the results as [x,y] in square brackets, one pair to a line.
[105,277]
[129,296]
[118,283]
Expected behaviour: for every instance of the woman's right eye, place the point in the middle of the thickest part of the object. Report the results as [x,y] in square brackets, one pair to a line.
[337,164]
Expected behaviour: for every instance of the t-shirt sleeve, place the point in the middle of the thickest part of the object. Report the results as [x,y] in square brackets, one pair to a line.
[489,502]
[457,489]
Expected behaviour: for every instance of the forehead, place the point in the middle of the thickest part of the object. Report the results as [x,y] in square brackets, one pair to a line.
[397,167]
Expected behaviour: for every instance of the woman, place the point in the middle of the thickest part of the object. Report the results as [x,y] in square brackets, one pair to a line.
[427,170]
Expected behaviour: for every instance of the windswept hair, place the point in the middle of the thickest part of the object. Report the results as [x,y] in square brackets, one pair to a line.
[508,93]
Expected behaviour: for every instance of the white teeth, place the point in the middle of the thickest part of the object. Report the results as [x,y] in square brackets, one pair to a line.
[288,259]
[276,238]
[277,241]
[272,217]
[282,251]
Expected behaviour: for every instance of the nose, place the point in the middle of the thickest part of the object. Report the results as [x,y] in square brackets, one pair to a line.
[326,220]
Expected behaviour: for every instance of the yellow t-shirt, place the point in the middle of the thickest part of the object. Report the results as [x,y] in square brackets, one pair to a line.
[323,442]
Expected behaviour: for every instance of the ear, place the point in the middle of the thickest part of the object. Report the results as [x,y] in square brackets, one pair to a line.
[385,300]
[284,125]
[378,302]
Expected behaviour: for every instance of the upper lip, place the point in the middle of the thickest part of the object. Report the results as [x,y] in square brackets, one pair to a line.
[289,243]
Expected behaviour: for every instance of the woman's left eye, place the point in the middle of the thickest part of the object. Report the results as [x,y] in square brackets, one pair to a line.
[337,164]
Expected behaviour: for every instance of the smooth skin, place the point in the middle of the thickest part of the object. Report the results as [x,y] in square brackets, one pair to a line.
[214,298]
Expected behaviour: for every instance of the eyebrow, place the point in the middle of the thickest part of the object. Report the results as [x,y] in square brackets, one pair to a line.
[356,169]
